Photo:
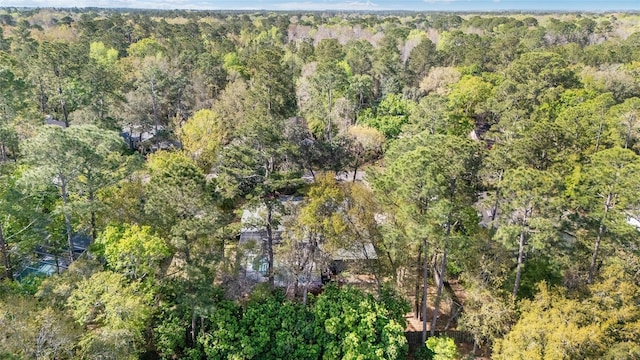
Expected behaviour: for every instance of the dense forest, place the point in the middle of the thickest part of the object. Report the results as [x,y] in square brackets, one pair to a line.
[270,185]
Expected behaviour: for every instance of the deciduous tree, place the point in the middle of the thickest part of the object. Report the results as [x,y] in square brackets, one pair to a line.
[114,313]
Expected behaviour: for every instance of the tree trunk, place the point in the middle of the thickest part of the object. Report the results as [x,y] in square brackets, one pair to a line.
[187,251]
[5,256]
[329,115]
[312,257]
[304,296]
[453,315]
[516,285]
[42,97]
[355,171]
[436,306]
[154,103]
[417,287]
[594,257]
[93,214]
[599,134]
[425,280]
[193,327]
[67,218]
[63,106]
[494,209]
[269,245]
[392,263]
[627,137]
[596,247]
[101,112]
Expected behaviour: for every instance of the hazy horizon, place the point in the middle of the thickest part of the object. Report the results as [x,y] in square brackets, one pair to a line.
[357,5]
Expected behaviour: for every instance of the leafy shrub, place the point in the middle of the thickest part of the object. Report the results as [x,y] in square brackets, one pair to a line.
[443,348]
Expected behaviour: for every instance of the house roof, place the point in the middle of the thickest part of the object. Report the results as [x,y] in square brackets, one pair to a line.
[252,224]
[137,133]
[364,251]
[253,230]
[340,176]
[49,120]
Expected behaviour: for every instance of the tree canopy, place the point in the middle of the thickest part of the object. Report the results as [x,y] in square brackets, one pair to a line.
[257,185]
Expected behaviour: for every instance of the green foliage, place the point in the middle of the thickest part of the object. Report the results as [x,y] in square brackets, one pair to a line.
[539,268]
[232,64]
[359,56]
[272,87]
[183,209]
[443,348]
[222,341]
[422,58]
[546,69]
[488,313]
[15,106]
[420,171]
[606,188]
[342,323]
[389,116]
[624,118]
[276,329]
[551,99]
[169,336]
[328,51]
[585,125]
[468,94]
[22,222]
[133,250]
[329,82]
[396,305]
[423,353]
[78,162]
[321,213]
[114,313]
[356,326]
[529,197]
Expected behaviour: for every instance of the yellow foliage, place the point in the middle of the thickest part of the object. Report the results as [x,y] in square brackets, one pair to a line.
[202,136]
[368,137]
[320,214]
[145,47]
[103,55]
[557,326]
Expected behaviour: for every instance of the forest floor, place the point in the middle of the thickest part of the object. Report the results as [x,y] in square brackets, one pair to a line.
[415,324]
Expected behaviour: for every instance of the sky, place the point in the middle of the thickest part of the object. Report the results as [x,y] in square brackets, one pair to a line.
[419,5]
